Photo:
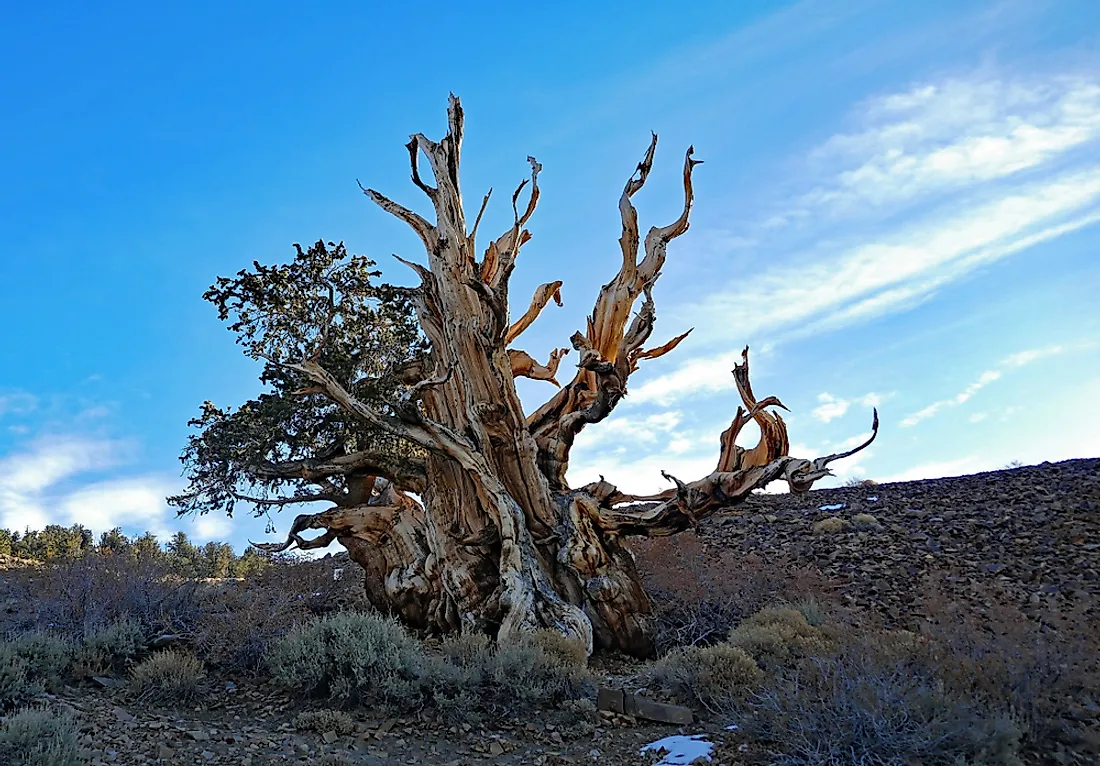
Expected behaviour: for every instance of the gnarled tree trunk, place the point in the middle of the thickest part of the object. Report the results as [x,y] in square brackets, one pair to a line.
[497,540]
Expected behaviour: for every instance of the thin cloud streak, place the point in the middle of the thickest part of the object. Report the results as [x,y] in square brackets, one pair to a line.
[1019,359]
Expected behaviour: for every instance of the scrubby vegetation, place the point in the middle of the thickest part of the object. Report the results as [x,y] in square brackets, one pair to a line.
[821,685]
[38,737]
[718,677]
[831,525]
[811,676]
[367,659]
[168,678]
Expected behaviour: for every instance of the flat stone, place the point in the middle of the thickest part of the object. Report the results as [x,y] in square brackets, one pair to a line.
[611,700]
[641,707]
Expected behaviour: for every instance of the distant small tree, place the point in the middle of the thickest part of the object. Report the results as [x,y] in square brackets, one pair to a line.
[113,542]
[183,556]
[146,547]
[5,543]
[217,559]
[249,563]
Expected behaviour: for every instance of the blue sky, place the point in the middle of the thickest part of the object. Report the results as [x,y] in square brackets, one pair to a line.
[899,208]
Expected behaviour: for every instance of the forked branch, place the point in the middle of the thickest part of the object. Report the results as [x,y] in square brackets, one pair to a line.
[739,472]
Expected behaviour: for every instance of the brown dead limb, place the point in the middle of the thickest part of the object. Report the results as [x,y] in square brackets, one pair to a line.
[525,366]
[542,296]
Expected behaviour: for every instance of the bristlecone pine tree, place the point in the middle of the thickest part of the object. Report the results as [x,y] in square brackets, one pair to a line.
[397,408]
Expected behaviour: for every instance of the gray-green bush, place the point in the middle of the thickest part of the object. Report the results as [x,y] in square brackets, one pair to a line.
[47,657]
[111,647]
[355,658]
[859,707]
[37,737]
[366,659]
[16,687]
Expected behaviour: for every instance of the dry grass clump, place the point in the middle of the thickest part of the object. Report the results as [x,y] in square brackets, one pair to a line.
[322,721]
[831,525]
[168,678]
[37,737]
[777,635]
[865,521]
[811,609]
[718,677]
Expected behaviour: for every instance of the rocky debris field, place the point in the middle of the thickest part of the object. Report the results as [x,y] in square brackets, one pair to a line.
[1030,533]
[241,726]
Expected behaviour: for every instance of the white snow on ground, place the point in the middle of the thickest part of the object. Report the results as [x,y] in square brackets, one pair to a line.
[681,750]
[836,507]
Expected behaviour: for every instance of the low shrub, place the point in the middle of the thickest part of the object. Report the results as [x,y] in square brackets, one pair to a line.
[37,737]
[356,658]
[700,592]
[84,595]
[46,657]
[811,609]
[865,521]
[776,636]
[371,660]
[322,721]
[16,686]
[539,670]
[831,525]
[110,648]
[718,677]
[860,706]
[168,678]
[239,620]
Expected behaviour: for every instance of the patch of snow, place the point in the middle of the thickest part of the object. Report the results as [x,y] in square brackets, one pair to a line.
[681,750]
[835,507]
[732,727]
[872,499]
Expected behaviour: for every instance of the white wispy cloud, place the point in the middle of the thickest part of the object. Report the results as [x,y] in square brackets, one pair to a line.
[899,268]
[830,407]
[1019,359]
[702,374]
[133,502]
[637,430]
[60,480]
[940,468]
[17,403]
[984,167]
[960,131]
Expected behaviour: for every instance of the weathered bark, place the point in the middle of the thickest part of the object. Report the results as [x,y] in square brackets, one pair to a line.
[500,542]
